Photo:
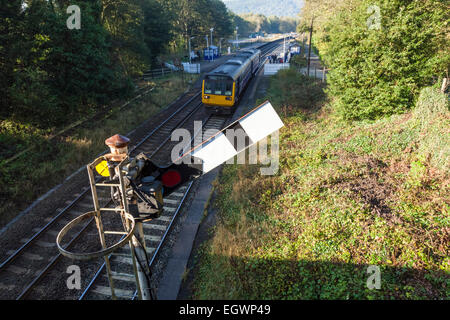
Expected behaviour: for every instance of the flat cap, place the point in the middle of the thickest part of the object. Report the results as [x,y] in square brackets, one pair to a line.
[117,141]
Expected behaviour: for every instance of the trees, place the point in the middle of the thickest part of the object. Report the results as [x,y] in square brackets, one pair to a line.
[250,23]
[123,19]
[245,27]
[195,18]
[59,72]
[11,17]
[157,28]
[50,73]
[280,8]
[380,71]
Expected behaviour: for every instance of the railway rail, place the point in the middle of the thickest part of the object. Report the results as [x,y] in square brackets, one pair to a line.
[155,234]
[29,271]
[40,252]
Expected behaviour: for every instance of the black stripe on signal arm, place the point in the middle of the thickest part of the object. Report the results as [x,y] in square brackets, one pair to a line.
[238,137]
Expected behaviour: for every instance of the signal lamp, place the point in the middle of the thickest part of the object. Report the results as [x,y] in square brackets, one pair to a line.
[171,178]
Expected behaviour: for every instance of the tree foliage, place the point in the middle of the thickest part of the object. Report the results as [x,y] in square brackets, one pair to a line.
[379,70]
[50,74]
[251,23]
[195,18]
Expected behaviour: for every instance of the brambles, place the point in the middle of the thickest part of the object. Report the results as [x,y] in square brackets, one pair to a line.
[348,196]
[379,71]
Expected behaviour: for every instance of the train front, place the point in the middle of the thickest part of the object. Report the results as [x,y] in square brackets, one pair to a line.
[218,92]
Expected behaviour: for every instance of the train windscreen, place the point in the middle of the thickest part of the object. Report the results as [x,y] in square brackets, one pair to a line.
[219,85]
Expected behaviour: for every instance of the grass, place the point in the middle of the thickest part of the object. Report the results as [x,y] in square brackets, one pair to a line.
[50,161]
[347,196]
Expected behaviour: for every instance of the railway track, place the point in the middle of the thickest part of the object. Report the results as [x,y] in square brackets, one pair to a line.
[155,233]
[30,271]
[26,267]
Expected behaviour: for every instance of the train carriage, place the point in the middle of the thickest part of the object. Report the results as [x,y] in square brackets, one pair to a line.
[222,88]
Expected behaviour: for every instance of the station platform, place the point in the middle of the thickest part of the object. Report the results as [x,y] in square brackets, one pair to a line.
[207,66]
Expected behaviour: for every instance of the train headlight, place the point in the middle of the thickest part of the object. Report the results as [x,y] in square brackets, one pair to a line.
[229,98]
[206,97]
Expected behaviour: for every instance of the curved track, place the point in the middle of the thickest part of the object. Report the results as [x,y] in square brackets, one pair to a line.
[18,272]
[30,271]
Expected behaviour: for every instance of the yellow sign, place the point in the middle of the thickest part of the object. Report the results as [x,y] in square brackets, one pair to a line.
[102,169]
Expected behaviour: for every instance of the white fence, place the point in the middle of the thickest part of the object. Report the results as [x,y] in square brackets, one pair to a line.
[191,68]
[315,73]
[171,66]
[272,68]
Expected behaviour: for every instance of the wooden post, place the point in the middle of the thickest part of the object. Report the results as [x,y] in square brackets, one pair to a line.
[310,40]
[444,85]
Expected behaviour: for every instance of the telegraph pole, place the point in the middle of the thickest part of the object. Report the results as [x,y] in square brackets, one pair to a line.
[207,46]
[309,48]
[212,29]
[190,58]
[220,43]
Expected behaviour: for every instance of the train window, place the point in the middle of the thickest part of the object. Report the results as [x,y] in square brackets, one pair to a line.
[229,88]
[219,85]
[208,87]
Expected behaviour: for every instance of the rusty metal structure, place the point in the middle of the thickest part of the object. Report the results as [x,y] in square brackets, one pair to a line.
[119,170]
[82,234]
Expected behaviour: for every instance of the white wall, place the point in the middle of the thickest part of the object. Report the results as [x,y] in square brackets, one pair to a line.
[272,68]
[191,68]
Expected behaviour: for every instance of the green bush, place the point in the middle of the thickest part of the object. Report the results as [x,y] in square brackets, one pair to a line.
[290,88]
[378,72]
[33,99]
[299,61]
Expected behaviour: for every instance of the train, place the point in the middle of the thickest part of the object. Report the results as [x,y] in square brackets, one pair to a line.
[223,87]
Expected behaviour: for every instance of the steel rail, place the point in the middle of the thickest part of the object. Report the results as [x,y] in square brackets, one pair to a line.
[39,233]
[46,269]
[42,231]
[167,139]
[97,274]
[165,121]
[14,255]
[169,228]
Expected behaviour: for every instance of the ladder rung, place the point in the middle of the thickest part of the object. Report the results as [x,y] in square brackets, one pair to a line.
[111,209]
[115,232]
[107,184]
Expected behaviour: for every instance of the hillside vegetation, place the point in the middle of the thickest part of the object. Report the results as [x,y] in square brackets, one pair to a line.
[52,76]
[250,23]
[364,179]
[347,196]
[381,53]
